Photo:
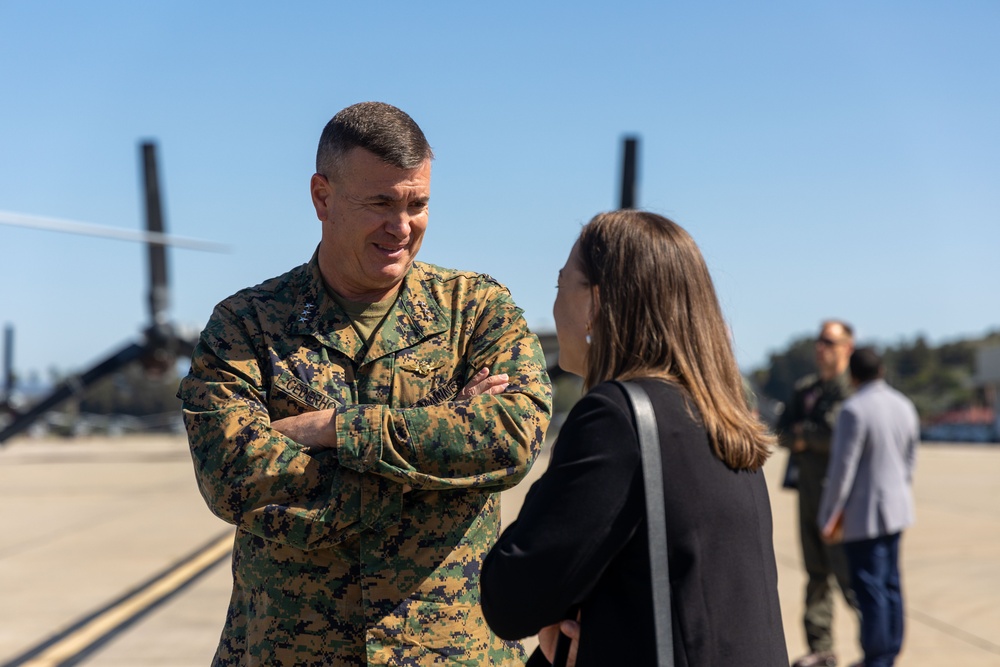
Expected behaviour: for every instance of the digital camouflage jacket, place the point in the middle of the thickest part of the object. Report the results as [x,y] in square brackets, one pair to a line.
[369,553]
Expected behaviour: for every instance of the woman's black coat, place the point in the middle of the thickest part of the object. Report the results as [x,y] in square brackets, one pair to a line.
[580,543]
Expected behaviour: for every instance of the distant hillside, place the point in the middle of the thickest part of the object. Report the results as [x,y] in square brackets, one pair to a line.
[937,379]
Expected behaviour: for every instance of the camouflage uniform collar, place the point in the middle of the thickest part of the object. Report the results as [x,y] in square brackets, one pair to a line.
[415,316]
[315,314]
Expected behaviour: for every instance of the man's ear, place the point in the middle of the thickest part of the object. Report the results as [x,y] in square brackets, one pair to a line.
[321,191]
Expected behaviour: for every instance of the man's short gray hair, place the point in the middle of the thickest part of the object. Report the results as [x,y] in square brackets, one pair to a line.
[377,127]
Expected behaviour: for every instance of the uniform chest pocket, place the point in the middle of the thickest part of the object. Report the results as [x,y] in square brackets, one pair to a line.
[291,396]
[444,392]
[421,382]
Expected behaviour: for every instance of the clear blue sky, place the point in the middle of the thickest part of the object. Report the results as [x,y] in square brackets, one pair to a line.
[830,158]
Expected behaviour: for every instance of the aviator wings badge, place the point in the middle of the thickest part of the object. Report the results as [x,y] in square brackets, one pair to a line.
[421,367]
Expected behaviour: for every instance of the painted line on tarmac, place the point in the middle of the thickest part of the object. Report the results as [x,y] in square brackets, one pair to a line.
[953,631]
[75,643]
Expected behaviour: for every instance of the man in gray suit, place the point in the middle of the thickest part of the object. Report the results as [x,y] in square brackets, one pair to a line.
[867,501]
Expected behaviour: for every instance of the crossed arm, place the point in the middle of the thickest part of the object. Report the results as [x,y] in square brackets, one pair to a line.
[318,430]
[312,479]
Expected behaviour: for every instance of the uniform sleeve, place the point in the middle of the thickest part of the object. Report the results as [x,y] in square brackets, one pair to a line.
[249,474]
[574,520]
[789,416]
[482,442]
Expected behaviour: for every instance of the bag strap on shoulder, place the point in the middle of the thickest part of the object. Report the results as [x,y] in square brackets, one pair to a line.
[656,521]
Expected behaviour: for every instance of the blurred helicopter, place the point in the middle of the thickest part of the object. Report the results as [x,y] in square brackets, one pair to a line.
[161,342]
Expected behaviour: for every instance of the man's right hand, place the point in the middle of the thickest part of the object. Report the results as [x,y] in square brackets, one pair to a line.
[799,443]
[833,531]
[313,429]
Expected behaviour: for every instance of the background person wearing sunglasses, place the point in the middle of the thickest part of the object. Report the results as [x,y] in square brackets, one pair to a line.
[806,428]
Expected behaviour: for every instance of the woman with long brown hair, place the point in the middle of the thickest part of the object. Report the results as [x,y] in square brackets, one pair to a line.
[636,302]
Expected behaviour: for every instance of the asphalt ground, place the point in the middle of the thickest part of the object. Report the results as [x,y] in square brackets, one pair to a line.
[108,556]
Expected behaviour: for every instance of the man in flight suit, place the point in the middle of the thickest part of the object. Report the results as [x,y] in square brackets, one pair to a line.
[806,428]
[355,419]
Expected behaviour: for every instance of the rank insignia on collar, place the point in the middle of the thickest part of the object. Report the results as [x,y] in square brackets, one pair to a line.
[306,312]
[420,367]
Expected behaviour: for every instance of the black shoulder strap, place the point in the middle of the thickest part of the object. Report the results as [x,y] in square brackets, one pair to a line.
[652,478]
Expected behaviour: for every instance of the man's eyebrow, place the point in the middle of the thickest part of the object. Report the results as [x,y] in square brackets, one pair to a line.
[392,199]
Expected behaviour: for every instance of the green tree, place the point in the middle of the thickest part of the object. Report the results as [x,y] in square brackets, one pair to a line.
[785,368]
[936,379]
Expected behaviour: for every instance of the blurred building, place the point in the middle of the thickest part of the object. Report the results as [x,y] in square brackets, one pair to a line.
[988,376]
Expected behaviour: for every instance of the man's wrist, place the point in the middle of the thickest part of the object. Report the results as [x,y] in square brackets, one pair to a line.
[357,433]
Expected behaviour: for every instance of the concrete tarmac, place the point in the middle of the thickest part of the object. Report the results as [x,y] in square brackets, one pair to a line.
[109,557]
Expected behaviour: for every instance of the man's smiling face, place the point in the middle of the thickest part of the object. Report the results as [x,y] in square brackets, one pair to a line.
[374,216]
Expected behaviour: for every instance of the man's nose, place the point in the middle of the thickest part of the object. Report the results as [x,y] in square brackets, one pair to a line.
[398,223]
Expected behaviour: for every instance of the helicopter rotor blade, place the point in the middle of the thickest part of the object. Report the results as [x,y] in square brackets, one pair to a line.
[88,229]
[629,159]
[159,291]
[8,362]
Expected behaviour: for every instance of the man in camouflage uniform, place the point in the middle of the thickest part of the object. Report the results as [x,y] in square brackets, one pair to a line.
[355,419]
[806,428]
